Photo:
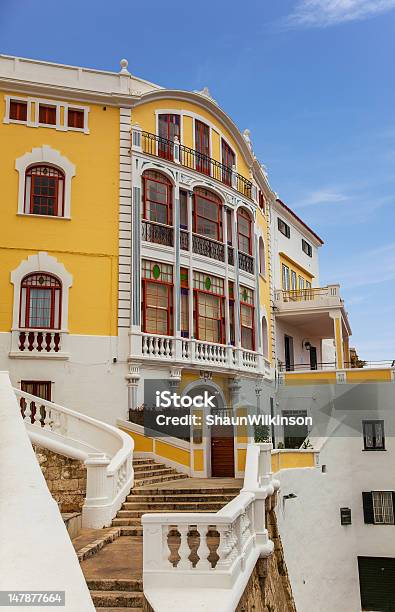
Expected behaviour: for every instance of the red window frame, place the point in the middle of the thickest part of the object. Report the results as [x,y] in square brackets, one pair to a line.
[214,200]
[157,177]
[75,118]
[18,110]
[241,213]
[221,319]
[251,307]
[169,309]
[38,190]
[202,147]
[167,121]
[49,284]
[228,160]
[47,114]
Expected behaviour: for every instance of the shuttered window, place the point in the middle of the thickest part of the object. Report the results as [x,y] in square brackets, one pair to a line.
[378,507]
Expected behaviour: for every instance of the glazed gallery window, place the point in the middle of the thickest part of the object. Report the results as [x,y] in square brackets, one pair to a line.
[207,211]
[209,311]
[157,197]
[168,128]
[247,318]
[228,161]
[40,302]
[44,191]
[202,146]
[373,435]
[157,304]
[244,231]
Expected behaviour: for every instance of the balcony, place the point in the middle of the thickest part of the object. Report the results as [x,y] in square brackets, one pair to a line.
[151,144]
[198,353]
[208,247]
[246,263]
[311,299]
[35,343]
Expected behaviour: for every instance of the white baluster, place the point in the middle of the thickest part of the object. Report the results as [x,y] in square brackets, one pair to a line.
[47,418]
[203,550]
[28,412]
[224,549]
[145,347]
[184,551]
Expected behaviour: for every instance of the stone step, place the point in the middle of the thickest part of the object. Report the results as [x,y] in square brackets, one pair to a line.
[156,471]
[115,584]
[134,525]
[137,460]
[117,599]
[118,609]
[173,506]
[178,497]
[187,491]
[130,530]
[137,514]
[149,467]
[139,482]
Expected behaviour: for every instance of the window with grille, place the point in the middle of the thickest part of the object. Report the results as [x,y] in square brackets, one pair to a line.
[75,118]
[373,435]
[283,227]
[157,305]
[18,110]
[207,214]
[383,509]
[44,191]
[47,114]
[247,318]
[40,304]
[157,194]
[244,231]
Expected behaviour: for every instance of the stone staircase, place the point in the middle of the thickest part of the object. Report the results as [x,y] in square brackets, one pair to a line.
[109,591]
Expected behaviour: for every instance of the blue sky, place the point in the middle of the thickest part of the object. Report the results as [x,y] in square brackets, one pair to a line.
[312,79]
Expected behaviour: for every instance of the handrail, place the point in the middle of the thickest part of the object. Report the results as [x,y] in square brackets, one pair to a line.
[239,529]
[33,538]
[106,451]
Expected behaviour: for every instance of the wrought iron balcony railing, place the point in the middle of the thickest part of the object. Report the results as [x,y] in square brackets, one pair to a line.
[208,248]
[246,262]
[157,233]
[190,158]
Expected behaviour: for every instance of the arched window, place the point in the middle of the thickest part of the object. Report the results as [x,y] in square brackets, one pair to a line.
[44,191]
[265,338]
[157,196]
[207,212]
[40,302]
[244,231]
[262,257]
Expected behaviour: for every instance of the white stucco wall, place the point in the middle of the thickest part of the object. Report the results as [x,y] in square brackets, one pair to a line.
[320,553]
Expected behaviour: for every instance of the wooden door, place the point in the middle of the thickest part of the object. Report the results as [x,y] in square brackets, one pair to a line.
[222,450]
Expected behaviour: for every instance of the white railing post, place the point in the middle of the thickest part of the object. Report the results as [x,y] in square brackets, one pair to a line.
[176,150]
[96,490]
[136,137]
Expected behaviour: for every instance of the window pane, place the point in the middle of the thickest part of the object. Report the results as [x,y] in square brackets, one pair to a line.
[18,110]
[183,209]
[369,435]
[47,114]
[379,435]
[75,118]
[40,308]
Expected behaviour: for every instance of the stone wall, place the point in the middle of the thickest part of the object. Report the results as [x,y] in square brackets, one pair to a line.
[66,479]
[269,589]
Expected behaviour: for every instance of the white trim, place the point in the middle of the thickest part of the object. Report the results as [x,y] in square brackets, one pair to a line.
[42,262]
[53,157]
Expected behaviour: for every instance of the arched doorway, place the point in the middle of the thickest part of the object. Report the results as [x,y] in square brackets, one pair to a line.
[217,439]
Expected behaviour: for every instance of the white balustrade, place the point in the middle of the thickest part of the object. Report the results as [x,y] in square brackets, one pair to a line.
[250,359]
[106,451]
[44,343]
[161,347]
[229,542]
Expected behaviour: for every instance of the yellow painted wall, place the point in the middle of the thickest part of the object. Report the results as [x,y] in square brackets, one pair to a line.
[144,115]
[360,375]
[179,455]
[294,267]
[282,461]
[198,460]
[241,459]
[141,443]
[88,243]
[310,378]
